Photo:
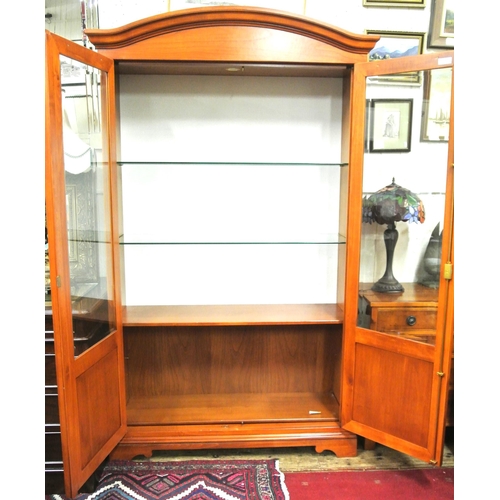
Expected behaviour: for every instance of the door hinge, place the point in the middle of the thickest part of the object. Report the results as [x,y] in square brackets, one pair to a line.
[58,281]
[440,374]
[433,462]
[448,271]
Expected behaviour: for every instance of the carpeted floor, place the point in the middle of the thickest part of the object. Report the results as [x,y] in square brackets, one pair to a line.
[407,484]
[189,480]
[308,475]
[214,479]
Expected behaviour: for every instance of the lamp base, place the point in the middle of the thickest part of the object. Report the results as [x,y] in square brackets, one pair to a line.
[388,286]
[388,283]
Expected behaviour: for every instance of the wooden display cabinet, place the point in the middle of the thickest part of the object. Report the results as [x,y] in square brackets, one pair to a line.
[235,280]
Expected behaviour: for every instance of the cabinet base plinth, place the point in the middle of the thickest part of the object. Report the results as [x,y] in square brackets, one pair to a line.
[143,440]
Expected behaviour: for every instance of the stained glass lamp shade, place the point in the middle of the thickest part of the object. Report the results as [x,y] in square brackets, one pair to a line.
[389,205]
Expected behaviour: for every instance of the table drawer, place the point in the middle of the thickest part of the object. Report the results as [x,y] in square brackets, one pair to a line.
[389,319]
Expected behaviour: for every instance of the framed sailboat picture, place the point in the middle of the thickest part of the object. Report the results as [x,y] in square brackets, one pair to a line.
[436,106]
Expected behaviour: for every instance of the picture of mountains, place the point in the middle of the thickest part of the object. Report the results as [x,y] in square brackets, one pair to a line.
[387,53]
[391,47]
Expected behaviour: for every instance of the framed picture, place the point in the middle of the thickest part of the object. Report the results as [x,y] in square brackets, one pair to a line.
[394,3]
[294,6]
[390,125]
[442,24]
[393,44]
[436,106]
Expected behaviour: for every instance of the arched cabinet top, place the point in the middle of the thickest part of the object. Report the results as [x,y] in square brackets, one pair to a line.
[232,34]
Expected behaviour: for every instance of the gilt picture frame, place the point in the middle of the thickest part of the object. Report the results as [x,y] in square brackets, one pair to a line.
[394,3]
[390,125]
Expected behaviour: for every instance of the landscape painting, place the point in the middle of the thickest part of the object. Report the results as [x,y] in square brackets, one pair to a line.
[395,44]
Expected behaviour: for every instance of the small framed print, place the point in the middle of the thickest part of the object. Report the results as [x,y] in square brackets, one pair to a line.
[390,125]
[394,3]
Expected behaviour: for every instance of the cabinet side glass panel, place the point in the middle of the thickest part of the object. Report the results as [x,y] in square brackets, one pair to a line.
[230,190]
[404,189]
[87,205]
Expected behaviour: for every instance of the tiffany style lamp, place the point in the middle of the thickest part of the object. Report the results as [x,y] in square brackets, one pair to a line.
[389,205]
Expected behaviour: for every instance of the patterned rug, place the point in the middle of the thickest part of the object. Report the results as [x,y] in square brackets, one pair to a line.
[189,480]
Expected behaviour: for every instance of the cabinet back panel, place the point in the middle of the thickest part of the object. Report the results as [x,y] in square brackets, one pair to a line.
[251,127]
[224,119]
[228,360]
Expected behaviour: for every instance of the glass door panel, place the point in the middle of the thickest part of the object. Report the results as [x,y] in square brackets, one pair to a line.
[86,186]
[404,192]
[80,190]
[398,348]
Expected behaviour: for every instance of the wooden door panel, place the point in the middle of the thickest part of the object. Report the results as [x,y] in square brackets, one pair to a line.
[397,344]
[384,380]
[390,342]
[93,397]
[88,341]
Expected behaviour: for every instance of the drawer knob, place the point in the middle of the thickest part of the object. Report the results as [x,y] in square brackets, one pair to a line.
[411,320]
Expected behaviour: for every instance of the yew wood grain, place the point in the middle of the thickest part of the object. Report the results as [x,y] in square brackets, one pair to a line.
[249,314]
[393,393]
[163,361]
[144,439]
[93,395]
[232,408]
[221,19]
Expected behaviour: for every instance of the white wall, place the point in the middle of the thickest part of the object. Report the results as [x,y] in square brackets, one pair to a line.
[351,15]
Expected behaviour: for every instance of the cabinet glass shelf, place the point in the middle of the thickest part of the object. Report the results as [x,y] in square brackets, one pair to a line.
[313,240]
[230,233]
[236,163]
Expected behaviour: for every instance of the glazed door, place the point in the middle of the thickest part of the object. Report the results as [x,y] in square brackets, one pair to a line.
[82,293]
[399,296]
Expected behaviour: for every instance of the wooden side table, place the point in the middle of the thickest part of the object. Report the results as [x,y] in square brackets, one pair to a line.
[411,314]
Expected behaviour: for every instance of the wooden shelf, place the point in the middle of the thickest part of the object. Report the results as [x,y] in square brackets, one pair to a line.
[232,408]
[212,315]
